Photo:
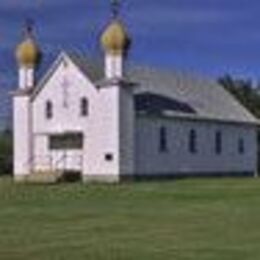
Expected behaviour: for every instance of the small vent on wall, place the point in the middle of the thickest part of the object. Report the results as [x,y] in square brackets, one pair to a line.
[109,157]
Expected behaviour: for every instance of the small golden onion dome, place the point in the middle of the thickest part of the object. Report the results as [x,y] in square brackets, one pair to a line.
[28,53]
[115,38]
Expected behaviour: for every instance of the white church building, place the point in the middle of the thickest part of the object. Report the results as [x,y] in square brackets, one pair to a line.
[109,123]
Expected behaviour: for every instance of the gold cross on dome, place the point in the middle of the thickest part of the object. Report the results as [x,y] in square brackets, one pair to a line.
[28,27]
[115,7]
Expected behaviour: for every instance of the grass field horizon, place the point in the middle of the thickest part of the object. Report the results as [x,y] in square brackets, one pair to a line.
[186,219]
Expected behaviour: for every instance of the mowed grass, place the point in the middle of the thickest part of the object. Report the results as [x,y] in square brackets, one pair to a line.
[189,219]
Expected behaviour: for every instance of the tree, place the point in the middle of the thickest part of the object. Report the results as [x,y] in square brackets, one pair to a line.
[6,152]
[244,92]
[247,95]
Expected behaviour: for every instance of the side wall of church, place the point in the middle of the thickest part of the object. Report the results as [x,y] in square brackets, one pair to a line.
[127,132]
[179,159]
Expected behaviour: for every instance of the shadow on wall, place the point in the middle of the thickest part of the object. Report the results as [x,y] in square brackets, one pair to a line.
[155,104]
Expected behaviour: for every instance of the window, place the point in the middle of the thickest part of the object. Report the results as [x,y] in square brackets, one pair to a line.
[66,141]
[163,140]
[193,141]
[84,107]
[218,142]
[49,110]
[241,146]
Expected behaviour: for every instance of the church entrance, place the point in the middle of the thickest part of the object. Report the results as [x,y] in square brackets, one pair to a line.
[59,152]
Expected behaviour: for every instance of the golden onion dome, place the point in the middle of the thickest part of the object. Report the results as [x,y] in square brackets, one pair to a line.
[28,53]
[115,38]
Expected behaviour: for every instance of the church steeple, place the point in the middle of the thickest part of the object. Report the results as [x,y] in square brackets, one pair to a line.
[115,38]
[115,42]
[28,57]
[28,52]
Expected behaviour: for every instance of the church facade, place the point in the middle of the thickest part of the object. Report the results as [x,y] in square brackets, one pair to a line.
[109,123]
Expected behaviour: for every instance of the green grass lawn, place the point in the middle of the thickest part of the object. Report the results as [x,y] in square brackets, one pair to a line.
[191,219]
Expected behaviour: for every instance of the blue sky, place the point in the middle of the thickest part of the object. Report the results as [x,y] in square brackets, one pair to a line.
[211,37]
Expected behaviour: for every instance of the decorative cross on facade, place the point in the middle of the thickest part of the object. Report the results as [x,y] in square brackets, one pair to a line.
[65,88]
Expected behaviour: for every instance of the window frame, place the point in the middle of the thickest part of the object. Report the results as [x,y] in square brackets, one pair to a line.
[163,140]
[58,142]
[193,141]
[218,142]
[48,110]
[84,107]
[241,146]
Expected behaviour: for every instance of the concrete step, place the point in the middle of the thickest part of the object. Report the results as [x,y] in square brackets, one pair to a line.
[44,177]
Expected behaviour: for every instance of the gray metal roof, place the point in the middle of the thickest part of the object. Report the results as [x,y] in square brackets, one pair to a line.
[93,69]
[208,99]
[205,98]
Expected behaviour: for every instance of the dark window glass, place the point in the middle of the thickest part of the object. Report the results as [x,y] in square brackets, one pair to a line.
[66,141]
[163,140]
[193,141]
[49,110]
[218,142]
[84,107]
[241,146]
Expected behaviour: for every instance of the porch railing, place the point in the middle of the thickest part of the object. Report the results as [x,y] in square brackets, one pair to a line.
[62,163]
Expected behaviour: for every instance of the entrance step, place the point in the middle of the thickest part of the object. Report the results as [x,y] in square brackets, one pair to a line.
[44,177]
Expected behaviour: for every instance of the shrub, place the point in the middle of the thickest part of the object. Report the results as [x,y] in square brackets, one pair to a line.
[6,152]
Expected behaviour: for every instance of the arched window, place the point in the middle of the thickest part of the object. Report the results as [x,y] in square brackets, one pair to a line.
[218,142]
[84,106]
[49,110]
[163,146]
[193,141]
[241,146]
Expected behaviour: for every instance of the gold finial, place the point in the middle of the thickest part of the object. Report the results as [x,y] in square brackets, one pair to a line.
[28,53]
[115,38]
[28,28]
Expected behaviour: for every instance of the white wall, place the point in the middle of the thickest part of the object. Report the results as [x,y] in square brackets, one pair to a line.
[108,129]
[112,133]
[22,136]
[178,159]
[66,117]
[26,77]
[114,66]
[104,134]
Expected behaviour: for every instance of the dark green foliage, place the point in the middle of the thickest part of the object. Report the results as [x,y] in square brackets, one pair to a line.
[244,91]
[6,152]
